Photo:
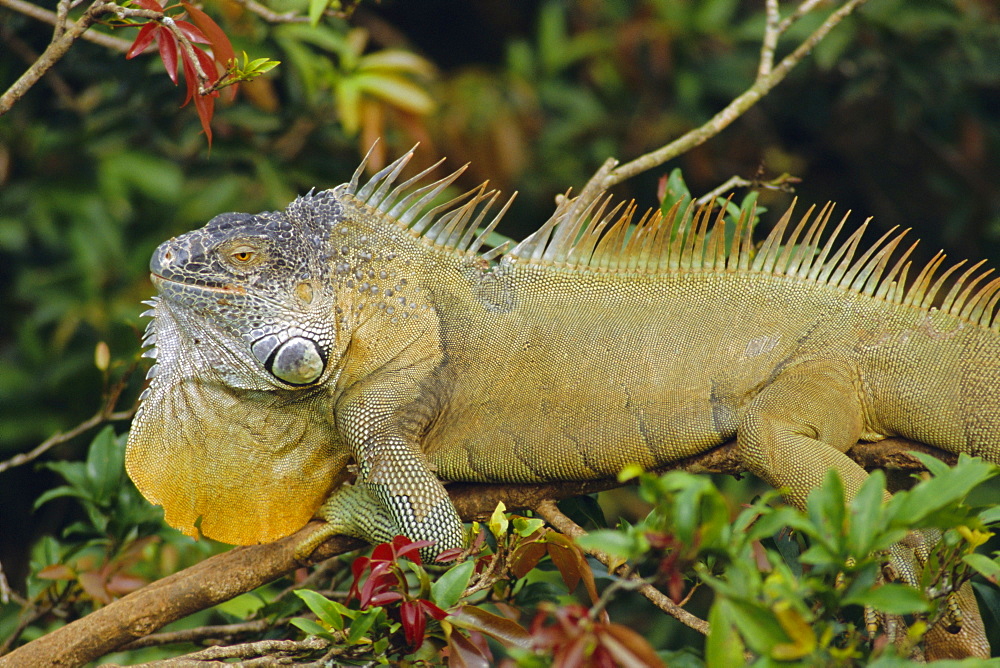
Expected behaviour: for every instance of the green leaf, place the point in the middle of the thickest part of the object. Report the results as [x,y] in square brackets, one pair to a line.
[361,625]
[893,598]
[525,526]
[316,9]
[724,646]
[866,509]
[757,624]
[397,91]
[948,486]
[987,567]
[105,465]
[448,588]
[498,521]
[990,515]
[631,545]
[311,627]
[397,60]
[322,607]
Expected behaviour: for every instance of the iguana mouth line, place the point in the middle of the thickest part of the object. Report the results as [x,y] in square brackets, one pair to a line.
[225,289]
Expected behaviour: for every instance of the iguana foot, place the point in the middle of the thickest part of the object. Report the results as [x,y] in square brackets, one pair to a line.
[957,633]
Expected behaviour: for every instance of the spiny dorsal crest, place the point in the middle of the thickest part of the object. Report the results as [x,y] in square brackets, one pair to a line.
[603,237]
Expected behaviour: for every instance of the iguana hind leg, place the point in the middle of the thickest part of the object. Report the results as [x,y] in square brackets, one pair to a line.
[798,428]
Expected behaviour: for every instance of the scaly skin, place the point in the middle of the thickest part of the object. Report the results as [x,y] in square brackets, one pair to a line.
[289,343]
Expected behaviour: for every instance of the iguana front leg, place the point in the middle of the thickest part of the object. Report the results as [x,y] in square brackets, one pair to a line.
[797,429]
[395,492]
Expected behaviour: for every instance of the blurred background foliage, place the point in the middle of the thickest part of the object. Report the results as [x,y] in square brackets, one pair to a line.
[895,115]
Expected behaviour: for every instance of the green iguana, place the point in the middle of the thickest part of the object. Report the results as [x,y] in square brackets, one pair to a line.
[364,325]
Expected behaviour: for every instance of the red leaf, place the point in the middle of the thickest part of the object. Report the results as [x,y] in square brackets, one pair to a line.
[410,549]
[151,5]
[384,597]
[506,631]
[204,104]
[383,552]
[191,32]
[142,40]
[627,647]
[168,54]
[221,46]
[431,609]
[449,555]
[462,653]
[208,65]
[57,572]
[411,615]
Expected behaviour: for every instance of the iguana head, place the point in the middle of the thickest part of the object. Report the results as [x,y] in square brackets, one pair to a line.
[236,428]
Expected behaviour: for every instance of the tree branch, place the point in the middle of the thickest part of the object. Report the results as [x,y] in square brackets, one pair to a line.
[54,52]
[559,521]
[44,15]
[242,569]
[767,78]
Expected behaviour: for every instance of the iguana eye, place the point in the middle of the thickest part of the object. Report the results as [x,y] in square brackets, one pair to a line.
[243,255]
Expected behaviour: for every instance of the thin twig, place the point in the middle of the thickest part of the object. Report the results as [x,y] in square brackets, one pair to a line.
[551,514]
[270,15]
[772,32]
[54,52]
[44,15]
[258,653]
[201,633]
[762,85]
[730,183]
[98,418]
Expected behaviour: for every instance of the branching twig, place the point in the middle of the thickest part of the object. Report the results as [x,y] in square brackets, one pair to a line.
[98,418]
[54,52]
[550,513]
[270,15]
[202,633]
[767,78]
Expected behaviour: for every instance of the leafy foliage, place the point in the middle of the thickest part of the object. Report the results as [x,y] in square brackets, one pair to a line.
[784,598]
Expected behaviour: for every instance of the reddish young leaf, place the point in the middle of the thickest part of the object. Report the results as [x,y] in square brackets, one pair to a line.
[411,616]
[208,65]
[383,598]
[627,647]
[565,560]
[221,46]
[142,40]
[404,547]
[204,104]
[151,5]
[431,609]
[526,557]
[222,49]
[449,555]
[168,54]
[191,32]
[462,653]
[505,630]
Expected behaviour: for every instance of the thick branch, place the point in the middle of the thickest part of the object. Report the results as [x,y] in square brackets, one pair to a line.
[55,51]
[44,15]
[242,569]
